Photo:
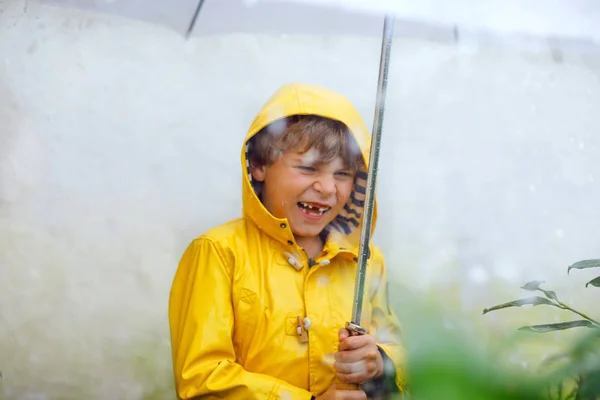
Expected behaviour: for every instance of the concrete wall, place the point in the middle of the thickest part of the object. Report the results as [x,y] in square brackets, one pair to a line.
[119,143]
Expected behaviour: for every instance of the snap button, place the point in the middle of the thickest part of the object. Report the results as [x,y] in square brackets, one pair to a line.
[283,226]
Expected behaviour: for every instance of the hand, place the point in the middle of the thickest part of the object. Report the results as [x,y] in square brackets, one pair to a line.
[333,394]
[358,359]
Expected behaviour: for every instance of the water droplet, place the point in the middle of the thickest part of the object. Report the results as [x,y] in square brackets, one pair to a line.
[285,395]
[389,369]
[506,271]
[277,127]
[477,275]
[384,336]
[328,359]
[311,156]
[322,280]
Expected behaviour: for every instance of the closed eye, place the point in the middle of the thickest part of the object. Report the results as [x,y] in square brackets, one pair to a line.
[345,174]
[307,168]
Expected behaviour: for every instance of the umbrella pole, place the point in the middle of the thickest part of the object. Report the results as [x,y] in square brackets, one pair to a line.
[194,18]
[367,219]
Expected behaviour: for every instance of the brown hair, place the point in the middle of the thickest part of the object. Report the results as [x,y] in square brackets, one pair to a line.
[301,133]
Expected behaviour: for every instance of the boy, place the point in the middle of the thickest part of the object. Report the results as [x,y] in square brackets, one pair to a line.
[257,304]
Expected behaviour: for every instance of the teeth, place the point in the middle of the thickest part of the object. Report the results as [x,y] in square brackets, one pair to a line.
[318,210]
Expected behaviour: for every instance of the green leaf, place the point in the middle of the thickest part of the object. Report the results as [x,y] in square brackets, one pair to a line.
[555,357]
[550,294]
[532,285]
[558,327]
[594,282]
[535,285]
[584,264]
[536,300]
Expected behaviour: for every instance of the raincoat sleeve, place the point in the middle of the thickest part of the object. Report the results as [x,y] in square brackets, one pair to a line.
[387,330]
[201,319]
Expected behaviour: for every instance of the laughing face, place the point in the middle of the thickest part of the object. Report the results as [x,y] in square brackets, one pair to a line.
[310,194]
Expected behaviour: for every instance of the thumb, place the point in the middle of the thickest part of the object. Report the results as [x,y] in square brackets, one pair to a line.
[343,334]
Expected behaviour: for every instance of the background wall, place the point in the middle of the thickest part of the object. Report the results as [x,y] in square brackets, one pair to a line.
[119,143]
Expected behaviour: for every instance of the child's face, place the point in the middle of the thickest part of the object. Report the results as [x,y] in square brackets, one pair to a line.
[309,194]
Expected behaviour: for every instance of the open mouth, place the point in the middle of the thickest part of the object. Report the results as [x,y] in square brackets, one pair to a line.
[314,210]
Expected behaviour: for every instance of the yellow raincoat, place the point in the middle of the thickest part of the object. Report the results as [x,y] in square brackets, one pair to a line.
[240,288]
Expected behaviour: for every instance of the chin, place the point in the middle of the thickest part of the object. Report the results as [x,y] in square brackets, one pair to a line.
[308,232]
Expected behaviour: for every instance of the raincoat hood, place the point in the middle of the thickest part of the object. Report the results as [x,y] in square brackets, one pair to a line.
[305,99]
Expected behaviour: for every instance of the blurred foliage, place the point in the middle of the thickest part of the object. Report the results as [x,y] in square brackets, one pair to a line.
[448,361]
[574,374]
[446,358]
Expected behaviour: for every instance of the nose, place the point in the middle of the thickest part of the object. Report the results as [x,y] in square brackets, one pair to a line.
[325,185]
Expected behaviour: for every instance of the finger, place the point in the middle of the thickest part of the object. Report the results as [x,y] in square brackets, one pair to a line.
[356,342]
[351,395]
[347,386]
[343,334]
[351,367]
[357,378]
[358,372]
[350,356]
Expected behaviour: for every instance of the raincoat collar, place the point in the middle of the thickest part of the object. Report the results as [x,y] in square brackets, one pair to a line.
[343,233]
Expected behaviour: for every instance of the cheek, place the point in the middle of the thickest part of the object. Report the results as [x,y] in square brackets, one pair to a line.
[344,190]
[284,194]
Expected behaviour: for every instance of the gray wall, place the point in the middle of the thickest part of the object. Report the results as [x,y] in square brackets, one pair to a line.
[119,143]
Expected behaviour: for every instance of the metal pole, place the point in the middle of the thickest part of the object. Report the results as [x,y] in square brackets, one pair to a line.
[194,18]
[367,217]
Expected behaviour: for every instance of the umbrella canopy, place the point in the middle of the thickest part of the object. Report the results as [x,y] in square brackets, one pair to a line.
[561,18]
[570,21]
[354,324]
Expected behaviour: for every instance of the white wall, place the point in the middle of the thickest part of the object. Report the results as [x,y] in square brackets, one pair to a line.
[119,143]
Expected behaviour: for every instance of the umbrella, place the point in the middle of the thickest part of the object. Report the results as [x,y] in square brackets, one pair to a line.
[560,20]
[129,8]
[566,21]
[367,218]
[563,21]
